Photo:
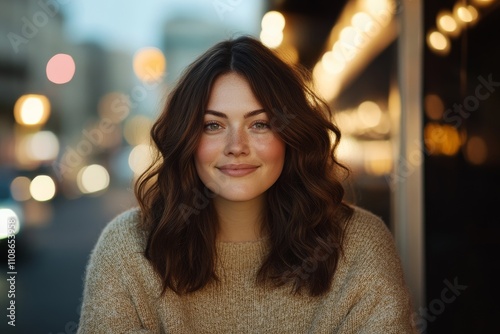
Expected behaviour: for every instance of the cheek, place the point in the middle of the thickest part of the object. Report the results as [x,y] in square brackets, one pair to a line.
[206,151]
[272,151]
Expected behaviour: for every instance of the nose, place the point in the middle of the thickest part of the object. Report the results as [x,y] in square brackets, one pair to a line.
[237,142]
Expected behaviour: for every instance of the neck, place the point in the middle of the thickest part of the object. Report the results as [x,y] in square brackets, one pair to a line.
[239,221]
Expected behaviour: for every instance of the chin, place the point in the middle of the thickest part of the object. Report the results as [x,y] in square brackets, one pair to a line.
[239,196]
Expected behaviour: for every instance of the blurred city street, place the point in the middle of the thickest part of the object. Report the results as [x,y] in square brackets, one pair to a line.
[51,261]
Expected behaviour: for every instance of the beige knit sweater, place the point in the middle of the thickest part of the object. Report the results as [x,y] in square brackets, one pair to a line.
[368,292]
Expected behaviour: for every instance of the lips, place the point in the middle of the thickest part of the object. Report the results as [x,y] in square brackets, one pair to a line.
[237,169]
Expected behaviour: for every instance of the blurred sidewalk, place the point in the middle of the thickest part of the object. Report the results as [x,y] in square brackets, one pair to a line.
[50,263]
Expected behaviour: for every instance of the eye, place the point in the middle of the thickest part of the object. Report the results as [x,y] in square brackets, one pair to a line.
[212,126]
[260,125]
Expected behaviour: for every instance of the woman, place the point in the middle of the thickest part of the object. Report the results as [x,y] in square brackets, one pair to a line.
[241,225]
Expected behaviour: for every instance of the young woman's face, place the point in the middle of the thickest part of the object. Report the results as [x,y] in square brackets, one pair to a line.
[239,157]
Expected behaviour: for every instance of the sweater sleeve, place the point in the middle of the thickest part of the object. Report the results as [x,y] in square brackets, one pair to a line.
[380,301]
[108,306]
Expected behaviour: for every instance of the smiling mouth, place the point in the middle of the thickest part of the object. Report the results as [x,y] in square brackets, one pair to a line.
[237,170]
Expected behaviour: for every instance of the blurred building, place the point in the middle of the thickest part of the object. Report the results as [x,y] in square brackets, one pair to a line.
[186,38]
[77,128]
[188,33]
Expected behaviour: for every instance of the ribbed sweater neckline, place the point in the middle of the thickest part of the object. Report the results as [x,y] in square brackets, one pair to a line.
[242,255]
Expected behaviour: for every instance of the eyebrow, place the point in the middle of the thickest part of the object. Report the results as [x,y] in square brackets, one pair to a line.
[247,115]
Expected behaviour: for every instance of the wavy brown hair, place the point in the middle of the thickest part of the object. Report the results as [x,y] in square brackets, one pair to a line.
[305,214]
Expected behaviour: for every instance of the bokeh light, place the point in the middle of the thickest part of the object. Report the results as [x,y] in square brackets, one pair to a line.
[42,188]
[331,64]
[473,12]
[9,223]
[346,122]
[61,68]
[32,109]
[348,35]
[476,150]
[20,188]
[343,51]
[93,179]
[140,158]
[441,139]
[42,146]
[434,107]
[378,157]
[376,7]
[369,113]
[438,42]
[463,14]
[483,3]
[447,24]
[361,21]
[137,130]
[271,39]
[325,84]
[150,64]
[273,21]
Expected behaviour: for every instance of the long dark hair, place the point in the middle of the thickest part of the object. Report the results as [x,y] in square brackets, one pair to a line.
[305,214]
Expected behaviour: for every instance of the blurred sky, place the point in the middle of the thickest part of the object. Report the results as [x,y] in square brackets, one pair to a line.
[134,24]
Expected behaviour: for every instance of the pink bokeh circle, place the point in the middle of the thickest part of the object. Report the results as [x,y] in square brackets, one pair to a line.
[61,68]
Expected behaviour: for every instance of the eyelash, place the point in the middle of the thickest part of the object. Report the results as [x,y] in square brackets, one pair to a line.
[266,124]
[210,123]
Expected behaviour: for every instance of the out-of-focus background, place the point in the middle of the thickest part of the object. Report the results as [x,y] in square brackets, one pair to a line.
[415,87]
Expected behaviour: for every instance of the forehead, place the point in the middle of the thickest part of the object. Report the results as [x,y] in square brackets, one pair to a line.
[231,93]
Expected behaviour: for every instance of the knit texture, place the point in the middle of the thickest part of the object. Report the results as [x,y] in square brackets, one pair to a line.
[368,294]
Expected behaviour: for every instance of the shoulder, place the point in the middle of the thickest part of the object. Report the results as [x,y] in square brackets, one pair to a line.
[369,250]
[119,253]
[122,234]
[125,221]
[368,238]
[364,225]
[370,277]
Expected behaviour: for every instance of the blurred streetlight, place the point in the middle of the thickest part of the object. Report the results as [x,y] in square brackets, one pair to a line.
[272,24]
[140,158]
[447,24]
[32,110]
[93,179]
[60,68]
[42,146]
[464,14]
[150,64]
[42,188]
[9,223]
[20,188]
[438,42]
